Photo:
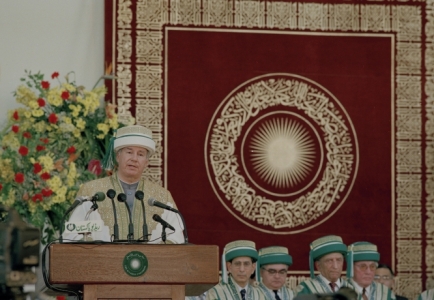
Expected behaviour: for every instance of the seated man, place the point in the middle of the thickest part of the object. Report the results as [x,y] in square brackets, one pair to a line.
[128,154]
[273,264]
[384,275]
[238,264]
[327,254]
[362,261]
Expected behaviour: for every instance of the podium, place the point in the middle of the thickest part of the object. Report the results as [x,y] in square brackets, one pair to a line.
[173,271]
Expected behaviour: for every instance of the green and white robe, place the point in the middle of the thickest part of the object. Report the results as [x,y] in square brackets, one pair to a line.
[286,294]
[228,291]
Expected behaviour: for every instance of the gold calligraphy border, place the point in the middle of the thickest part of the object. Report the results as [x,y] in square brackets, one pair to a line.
[410,21]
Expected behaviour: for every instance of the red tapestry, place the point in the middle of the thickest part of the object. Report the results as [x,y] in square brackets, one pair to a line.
[281,122]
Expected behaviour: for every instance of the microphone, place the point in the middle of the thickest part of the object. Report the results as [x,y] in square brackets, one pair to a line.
[123,198]
[158,219]
[153,202]
[99,196]
[140,195]
[111,194]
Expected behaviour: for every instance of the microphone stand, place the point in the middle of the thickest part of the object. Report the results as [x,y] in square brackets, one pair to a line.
[123,198]
[163,234]
[140,195]
[111,194]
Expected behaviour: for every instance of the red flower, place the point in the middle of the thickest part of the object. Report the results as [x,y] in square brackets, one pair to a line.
[15,115]
[45,176]
[37,197]
[1,186]
[19,177]
[23,150]
[44,140]
[47,192]
[37,168]
[45,85]
[27,135]
[15,128]
[41,102]
[71,150]
[95,167]
[40,148]
[54,75]
[52,118]
[65,95]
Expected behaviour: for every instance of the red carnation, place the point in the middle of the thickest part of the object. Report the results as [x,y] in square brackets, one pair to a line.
[65,95]
[37,197]
[19,178]
[15,115]
[15,128]
[47,192]
[45,85]
[23,150]
[54,75]
[44,140]
[45,176]
[71,150]
[95,167]
[27,135]
[52,118]
[37,168]
[1,186]
[40,148]
[41,102]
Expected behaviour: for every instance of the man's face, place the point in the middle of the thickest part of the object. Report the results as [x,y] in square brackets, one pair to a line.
[330,266]
[241,269]
[274,275]
[132,162]
[383,275]
[364,272]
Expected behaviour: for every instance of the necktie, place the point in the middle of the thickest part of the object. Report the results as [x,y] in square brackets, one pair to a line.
[364,296]
[333,286]
[276,295]
[243,294]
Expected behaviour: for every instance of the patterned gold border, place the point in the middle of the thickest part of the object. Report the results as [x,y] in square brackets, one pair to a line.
[415,160]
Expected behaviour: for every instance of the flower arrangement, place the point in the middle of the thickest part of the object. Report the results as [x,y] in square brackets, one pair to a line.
[52,145]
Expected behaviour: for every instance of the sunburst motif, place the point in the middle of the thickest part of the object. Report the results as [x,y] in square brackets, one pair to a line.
[282,152]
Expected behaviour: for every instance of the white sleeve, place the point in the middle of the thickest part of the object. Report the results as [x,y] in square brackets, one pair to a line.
[79,214]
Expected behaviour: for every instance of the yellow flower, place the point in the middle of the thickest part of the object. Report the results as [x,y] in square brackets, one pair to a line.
[37,112]
[54,183]
[54,97]
[59,196]
[69,87]
[27,114]
[103,127]
[40,126]
[75,110]
[33,104]
[80,124]
[25,95]
[72,175]
[46,162]
[77,133]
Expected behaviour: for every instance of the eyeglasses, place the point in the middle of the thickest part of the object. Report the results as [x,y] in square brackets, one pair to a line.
[274,272]
[246,264]
[365,267]
[383,277]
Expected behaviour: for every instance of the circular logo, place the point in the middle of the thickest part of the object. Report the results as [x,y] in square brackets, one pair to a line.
[135,263]
[70,227]
[281,153]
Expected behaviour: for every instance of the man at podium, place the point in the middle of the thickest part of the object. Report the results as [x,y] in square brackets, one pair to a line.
[125,214]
